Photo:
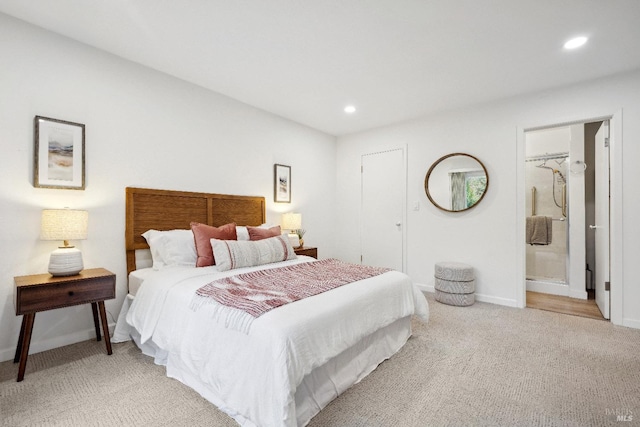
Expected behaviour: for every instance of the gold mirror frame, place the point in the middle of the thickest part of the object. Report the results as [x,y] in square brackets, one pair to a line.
[440,160]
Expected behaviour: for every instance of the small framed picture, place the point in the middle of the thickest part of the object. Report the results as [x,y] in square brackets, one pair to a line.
[58,154]
[281,184]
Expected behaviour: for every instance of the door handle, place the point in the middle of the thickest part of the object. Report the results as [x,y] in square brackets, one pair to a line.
[593,227]
[398,224]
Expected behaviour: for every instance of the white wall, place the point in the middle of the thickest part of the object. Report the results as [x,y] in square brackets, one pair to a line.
[487,236]
[547,141]
[144,129]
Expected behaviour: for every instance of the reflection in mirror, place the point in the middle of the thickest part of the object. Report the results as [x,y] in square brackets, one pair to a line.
[456,182]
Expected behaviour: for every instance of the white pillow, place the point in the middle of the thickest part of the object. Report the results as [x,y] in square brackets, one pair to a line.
[172,247]
[242,233]
[143,258]
[153,240]
[239,253]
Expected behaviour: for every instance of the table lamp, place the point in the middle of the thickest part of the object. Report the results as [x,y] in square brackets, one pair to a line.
[65,225]
[292,222]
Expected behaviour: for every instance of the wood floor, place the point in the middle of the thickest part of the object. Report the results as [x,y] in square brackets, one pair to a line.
[566,305]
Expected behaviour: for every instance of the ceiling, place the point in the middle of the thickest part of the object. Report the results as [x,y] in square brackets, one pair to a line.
[394,60]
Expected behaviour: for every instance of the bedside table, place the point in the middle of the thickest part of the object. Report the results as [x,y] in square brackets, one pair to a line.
[41,292]
[308,251]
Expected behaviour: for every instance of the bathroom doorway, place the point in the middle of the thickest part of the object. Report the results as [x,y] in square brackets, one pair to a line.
[561,266]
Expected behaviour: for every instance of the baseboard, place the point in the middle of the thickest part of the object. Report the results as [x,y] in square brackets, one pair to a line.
[631,323]
[479,297]
[497,300]
[55,342]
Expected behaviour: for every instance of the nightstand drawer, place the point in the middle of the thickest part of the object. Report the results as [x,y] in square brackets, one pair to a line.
[312,252]
[55,295]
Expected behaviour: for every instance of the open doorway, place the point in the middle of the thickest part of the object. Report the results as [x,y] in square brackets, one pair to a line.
[565,167]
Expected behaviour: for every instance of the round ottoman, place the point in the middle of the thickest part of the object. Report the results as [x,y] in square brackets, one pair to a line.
[455,283]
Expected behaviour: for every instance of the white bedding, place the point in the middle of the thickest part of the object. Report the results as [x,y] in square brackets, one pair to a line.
[136,278]
[253,376]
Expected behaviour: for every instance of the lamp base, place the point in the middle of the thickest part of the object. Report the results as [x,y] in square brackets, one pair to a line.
[294,240]
[65,262]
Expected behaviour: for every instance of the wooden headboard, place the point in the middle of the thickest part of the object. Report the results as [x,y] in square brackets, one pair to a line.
[168,210]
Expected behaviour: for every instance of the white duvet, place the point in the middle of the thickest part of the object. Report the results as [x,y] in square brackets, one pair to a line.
[253,376]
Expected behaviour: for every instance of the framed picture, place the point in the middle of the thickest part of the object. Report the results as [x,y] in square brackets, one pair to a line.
[281,184]
[59,154]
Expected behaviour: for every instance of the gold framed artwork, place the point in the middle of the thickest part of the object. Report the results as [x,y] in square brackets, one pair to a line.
[281,183]
[59,157]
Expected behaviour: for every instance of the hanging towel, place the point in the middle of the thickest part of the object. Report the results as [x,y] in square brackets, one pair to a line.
[539,230]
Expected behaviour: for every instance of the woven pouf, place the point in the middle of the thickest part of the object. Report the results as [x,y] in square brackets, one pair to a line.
[455,284]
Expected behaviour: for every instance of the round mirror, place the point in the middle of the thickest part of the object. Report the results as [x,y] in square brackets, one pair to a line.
[456,182]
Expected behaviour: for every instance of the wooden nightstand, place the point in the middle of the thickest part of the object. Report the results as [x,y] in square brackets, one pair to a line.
[41,292]
[312,252]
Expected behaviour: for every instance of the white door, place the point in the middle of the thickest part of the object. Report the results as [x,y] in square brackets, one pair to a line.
[383,209]
[601,226]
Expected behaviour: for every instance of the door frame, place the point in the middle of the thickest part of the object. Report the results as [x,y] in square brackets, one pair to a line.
[615,210]
[404,150]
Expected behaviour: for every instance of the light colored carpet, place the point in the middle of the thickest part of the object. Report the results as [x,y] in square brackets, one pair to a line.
[482,365]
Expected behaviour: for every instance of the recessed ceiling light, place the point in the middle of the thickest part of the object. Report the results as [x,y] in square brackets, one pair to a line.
[575,42]
[349,109]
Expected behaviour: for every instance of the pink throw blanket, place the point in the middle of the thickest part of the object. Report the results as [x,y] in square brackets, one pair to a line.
[260,291]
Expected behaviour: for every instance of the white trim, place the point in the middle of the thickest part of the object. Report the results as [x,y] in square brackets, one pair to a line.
[508,302]
[631,323]
[405,221]
[479,297]
[521,252]
[616,311]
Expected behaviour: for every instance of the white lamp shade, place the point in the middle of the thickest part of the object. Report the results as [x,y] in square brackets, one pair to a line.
[64,224]
[291,221]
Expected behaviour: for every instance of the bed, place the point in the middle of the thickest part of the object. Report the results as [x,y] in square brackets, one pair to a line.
[278,369]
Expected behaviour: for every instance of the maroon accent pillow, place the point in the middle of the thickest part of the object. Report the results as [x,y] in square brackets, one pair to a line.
[203,233]
[259,233]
